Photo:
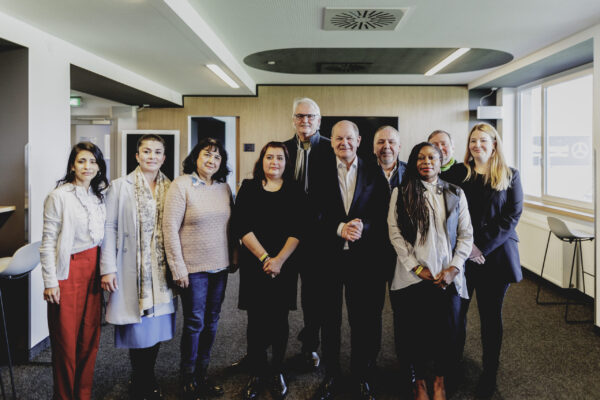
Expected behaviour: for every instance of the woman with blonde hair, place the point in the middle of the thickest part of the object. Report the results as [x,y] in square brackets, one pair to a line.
[495,199]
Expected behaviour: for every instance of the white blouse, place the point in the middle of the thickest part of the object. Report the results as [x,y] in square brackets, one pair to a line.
[436,252]
[73,222]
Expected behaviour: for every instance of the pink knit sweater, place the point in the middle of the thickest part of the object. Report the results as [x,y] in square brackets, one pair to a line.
[195,226]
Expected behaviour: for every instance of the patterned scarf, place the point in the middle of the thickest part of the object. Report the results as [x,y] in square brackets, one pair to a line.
[151,261]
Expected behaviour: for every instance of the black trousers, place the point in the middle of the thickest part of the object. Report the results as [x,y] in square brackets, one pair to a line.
[425,327]
[267,326]
[490,298]
[364,292]
[310,297]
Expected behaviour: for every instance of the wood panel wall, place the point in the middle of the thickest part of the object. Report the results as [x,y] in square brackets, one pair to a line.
[420,109]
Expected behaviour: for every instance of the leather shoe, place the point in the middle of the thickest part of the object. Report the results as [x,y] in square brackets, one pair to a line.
[252,389]
[279,388]
[240,365]
[365,391]
[327,389]
[206,387]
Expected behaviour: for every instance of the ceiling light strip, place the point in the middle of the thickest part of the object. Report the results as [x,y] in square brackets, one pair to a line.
[221,74]
[452,57]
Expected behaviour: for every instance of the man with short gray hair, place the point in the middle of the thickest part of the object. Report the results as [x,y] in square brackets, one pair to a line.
[386,147]
[443,141]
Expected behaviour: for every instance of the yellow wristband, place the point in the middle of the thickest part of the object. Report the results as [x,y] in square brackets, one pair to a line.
[418,270]
[264,257]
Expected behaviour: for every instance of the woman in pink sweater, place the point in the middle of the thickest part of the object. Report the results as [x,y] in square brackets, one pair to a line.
[199,251]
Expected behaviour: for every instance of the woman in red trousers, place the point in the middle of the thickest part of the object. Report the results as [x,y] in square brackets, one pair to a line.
[74,215]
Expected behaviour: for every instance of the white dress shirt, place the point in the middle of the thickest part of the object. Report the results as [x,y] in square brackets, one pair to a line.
[347,181]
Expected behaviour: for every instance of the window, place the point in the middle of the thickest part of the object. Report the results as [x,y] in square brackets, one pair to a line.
[555,126]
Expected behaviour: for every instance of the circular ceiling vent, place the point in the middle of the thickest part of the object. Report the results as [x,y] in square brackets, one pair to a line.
[372,19]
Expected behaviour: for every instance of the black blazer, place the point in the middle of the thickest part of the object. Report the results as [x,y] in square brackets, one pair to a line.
[494,233]
[370,204]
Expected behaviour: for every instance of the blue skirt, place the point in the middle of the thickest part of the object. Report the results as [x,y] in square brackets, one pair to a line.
[146,333]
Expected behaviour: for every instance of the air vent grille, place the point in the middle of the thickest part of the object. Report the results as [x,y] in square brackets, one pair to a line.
[355,19]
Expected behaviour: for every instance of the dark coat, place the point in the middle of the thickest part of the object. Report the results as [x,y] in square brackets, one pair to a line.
[321,154]
[370,204]
[455,174]
[494,234]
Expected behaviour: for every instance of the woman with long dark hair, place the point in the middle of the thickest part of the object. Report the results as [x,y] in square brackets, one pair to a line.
[268,219]
[134,267]
[431,232]
[495,198]
[74,215]
[200,248]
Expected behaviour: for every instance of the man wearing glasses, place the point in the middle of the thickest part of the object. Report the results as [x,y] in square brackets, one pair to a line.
[309,152]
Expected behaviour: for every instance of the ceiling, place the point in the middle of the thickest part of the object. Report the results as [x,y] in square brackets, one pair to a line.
[170,41]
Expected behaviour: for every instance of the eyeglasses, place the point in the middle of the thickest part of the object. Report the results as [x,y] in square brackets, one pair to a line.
[300,117]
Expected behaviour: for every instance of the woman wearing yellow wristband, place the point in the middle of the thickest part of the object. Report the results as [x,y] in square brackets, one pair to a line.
[268,220]
[431,232]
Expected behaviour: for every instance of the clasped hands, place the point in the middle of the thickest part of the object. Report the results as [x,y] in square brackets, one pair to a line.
[352,230]
[443,279]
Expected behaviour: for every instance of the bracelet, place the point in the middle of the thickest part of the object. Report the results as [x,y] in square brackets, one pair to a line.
[264,257]
[418,270]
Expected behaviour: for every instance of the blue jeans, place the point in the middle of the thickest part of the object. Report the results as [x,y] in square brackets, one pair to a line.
[201,302]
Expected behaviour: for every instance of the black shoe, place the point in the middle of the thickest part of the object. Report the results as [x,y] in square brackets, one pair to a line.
[486,385]
[240,365]
[206,387]
[188,387]
[279,388]
[327,389]
[252,389]
[365,391]
[137,392]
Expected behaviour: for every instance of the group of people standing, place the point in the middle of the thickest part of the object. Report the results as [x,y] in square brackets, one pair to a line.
[433,230]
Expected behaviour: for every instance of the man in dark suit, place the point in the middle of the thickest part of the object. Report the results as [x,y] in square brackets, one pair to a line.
[386,147]
[309,152]
[443,141]
[352,201]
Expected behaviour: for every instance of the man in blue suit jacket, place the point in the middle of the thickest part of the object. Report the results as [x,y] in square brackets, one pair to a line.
[352,201]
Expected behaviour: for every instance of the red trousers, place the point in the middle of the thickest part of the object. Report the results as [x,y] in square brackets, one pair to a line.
[74,326]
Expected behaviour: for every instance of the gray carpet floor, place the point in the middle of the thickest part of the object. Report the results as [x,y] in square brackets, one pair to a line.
[542,356]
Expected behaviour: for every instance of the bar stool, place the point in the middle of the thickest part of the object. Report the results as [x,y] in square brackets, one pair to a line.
[18,266]
[563,233]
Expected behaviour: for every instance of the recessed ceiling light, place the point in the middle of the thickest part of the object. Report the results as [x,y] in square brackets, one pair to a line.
[271,62]
[452,57]
[221,74]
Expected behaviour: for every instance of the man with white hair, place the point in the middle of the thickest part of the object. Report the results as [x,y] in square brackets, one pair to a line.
[309,152]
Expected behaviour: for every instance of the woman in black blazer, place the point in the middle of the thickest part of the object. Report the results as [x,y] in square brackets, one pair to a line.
[495,199]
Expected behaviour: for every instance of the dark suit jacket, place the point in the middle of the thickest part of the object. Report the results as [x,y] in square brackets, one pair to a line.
[370,204]
[494,233]
[455,174]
